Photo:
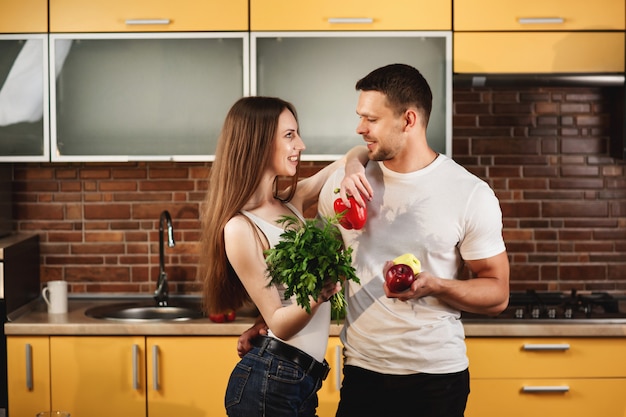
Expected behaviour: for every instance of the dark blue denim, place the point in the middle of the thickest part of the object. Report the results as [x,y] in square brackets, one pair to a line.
[265,385]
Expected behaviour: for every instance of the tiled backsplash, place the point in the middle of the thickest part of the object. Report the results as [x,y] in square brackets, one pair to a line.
[543,150]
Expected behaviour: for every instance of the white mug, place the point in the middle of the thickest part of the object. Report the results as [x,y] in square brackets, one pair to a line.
[55,295]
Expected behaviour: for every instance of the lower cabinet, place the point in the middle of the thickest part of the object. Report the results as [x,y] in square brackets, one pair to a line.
[159,376]
[328,395]
[28,368]
[133,376]
[521,377]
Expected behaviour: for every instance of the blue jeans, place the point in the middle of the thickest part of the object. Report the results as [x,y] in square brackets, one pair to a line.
[265,385]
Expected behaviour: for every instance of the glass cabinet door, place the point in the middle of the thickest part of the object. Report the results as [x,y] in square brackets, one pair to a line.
[317,72]
[148,96]
[24,98]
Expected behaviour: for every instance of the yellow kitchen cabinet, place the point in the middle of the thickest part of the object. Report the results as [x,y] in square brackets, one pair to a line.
[546,376]
[535,36]
[328,395]
[538,52]
[133,376]
[582,397]
[148,15]
[558,15]
[187,376]
[350,15]
[98,376]
[24,16]
[28,367]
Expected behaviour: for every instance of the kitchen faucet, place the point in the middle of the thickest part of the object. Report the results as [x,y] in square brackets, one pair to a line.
[161,295]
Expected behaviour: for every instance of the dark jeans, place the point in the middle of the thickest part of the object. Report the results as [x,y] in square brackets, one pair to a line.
[367,393]
[265,385]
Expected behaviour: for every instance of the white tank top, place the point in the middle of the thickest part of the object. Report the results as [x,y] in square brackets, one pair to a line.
[313,338]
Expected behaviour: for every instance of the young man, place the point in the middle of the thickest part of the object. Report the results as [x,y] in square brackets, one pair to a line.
[405,352]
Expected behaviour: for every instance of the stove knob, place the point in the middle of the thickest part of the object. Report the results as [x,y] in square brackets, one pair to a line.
[519,313]
[535,313]
[552,313]
[568,313]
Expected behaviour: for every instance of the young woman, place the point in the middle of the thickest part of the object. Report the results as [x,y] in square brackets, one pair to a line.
[259,143]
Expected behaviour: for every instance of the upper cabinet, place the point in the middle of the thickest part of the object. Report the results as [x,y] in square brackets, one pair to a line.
[144,79]
[324,68]
[538,15]
[147,15]
[350,15]
[143,96]
[535,36]
[24,16]
[24,121]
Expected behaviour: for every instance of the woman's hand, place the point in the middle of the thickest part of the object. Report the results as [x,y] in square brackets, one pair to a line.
[328,290]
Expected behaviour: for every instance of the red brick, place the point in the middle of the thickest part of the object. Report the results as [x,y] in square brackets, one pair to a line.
[576,183]
[129,173]
[171,172]
[118,185]
[583,145]
[574,209]
[107,211]
[505,146]
[579,171]
[95,173]
[166,186]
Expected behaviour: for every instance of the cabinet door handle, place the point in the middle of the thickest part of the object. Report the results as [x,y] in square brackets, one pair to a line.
[348,20]
[155,367]
[545,389]
[29,367]
[540,20]
[546,346]
[337,367]
[135,367]
[147,21]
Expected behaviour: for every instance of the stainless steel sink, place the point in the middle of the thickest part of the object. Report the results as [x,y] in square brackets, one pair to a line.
[141,312]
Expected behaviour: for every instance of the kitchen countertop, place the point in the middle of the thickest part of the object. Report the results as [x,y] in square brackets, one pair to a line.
[33,319]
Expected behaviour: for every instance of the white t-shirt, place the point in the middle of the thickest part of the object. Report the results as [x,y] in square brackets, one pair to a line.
[313,338]
[442,214]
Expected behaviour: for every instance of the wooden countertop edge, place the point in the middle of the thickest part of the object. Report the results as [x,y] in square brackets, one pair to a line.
[36,321]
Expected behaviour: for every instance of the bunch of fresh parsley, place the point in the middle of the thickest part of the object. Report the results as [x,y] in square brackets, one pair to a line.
[307,255]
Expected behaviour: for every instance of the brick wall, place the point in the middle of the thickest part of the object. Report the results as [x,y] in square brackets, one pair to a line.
[543,150]
[545,153]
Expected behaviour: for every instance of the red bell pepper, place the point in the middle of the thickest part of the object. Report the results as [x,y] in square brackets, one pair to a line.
[353,217]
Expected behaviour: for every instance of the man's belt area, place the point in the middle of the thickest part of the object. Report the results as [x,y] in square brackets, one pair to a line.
[283,350]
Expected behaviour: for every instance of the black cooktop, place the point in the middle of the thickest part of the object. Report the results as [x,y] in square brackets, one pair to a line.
[538,306]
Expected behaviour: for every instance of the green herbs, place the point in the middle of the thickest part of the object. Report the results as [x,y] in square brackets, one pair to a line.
[306,256]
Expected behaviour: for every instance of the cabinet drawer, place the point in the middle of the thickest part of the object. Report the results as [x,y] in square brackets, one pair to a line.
[350,15]
[539,52]
[24,16]
[147,15]
[546,358]
[584,397]
[538,15]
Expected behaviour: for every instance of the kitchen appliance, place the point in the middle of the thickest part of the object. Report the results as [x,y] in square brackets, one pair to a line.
[19,284]
[564,307]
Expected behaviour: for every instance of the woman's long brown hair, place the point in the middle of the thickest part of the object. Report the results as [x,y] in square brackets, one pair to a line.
[243,152]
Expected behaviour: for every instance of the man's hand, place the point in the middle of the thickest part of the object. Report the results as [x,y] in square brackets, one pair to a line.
[244,343]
